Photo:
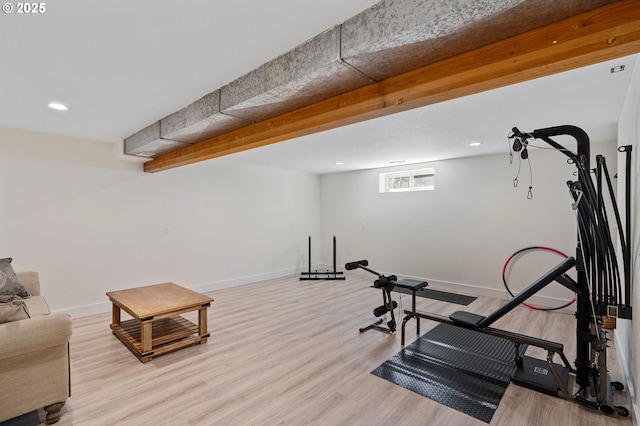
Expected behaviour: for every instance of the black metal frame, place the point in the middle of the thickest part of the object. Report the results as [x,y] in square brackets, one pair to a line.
[626,250]
[386,284]
[557,274]
[322,275]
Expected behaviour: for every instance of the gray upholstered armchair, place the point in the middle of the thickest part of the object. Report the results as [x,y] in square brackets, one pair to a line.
[34,358]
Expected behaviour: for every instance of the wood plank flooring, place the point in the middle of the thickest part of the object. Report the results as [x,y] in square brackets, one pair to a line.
[289,352]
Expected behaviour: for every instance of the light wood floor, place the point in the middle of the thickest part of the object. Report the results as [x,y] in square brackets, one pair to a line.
[289,352]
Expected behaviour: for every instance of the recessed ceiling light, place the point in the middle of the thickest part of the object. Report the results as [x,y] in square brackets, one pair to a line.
[339,163]
[475,144]
[58,106]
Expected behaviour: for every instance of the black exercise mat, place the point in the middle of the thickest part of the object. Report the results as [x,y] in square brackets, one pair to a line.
[462,369]
[443,296]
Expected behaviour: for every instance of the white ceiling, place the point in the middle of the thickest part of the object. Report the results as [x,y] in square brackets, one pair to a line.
[121,65]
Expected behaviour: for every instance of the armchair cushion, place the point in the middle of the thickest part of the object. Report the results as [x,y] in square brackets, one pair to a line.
[15,310]
[10,286]
[36,305]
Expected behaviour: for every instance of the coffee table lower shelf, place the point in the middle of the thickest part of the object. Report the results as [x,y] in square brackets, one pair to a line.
[168,334]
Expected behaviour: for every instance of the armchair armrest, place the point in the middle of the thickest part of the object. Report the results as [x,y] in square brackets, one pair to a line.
[34,334]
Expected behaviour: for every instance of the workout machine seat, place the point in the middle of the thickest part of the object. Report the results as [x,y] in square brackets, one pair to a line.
[475,321]
[467,319]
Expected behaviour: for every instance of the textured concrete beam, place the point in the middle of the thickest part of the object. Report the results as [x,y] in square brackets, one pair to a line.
[199,120]
[148,143]
[309,73]
[396,36]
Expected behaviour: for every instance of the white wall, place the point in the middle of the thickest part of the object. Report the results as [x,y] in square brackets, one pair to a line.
[628,331]
[458,236]
[91,222]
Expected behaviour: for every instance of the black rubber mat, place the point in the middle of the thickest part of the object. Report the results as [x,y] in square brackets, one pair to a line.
[443,296]
[462,369]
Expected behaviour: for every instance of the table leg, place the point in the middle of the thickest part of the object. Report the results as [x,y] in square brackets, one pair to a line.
[146,331]
[202,323]
[115,314]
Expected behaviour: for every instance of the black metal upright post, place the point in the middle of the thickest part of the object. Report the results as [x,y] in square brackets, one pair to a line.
[309,254]
[583,308]
[334,254]
[627,208]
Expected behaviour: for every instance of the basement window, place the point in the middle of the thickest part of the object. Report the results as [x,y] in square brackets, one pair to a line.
[408,180]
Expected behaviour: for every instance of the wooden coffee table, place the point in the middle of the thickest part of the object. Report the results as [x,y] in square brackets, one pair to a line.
[156,326]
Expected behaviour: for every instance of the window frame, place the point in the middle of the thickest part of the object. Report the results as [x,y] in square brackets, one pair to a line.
[384,177]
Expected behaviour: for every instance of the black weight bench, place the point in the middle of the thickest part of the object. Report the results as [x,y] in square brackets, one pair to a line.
[558,274]
[476,322]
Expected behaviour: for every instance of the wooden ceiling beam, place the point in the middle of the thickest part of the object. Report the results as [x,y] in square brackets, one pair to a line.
[606,33]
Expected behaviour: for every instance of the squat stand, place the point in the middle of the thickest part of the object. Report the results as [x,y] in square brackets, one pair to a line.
[322,275]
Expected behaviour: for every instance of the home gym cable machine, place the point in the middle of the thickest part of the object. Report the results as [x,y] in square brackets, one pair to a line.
[599,296]
[597,287]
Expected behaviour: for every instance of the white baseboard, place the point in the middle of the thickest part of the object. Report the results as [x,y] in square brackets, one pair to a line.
[86,310]
[624,352]
[474,290]
[459,288]
[104,307]
[204,288]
